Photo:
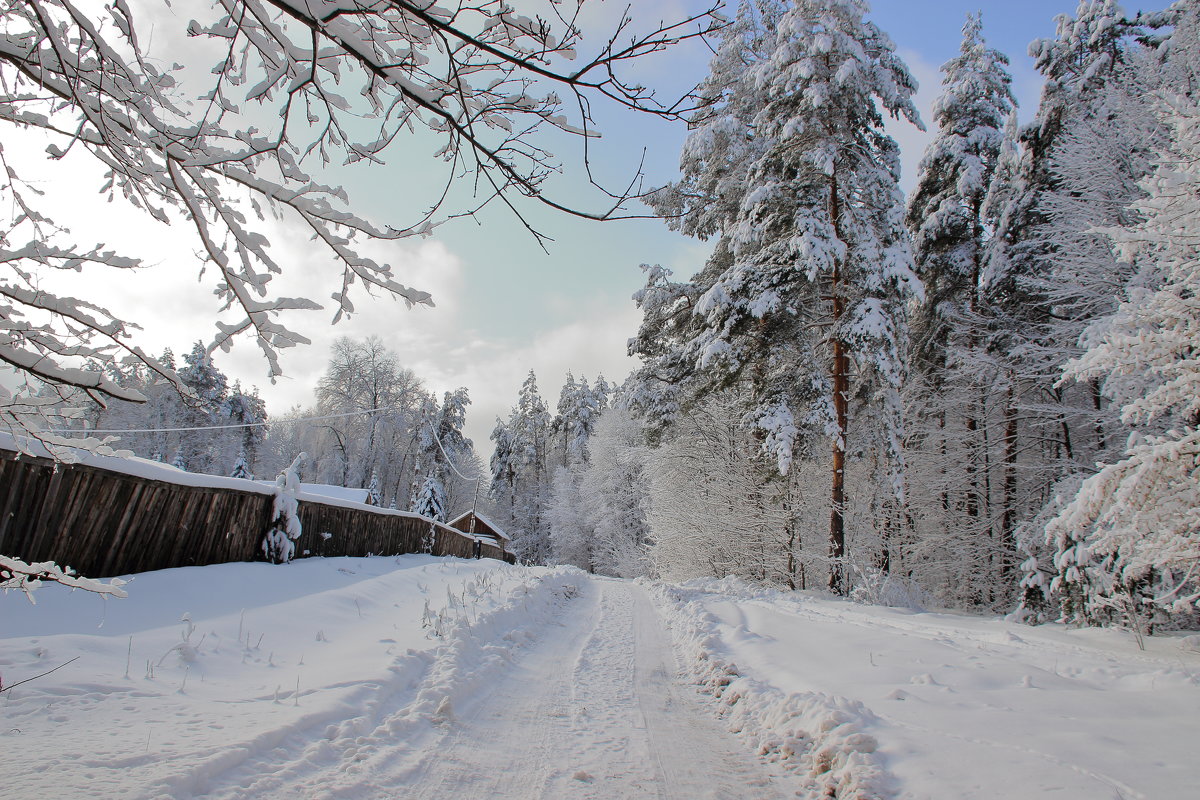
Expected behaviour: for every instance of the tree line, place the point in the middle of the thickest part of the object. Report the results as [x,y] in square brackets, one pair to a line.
[984,396]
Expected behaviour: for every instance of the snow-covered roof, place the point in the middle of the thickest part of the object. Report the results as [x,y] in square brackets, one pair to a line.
[496,528]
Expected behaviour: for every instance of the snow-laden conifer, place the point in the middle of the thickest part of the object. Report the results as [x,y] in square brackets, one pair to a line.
[520,472]
[241,469]
[279,543]
[1131,536]
[431,499]
[945,213]
[804,296]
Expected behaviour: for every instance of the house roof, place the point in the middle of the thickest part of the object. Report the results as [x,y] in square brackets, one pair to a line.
[481,518]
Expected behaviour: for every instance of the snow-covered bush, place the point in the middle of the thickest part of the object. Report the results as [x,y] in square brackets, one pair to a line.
[873,586]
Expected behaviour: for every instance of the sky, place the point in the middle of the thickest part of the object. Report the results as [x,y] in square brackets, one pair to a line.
[504,305]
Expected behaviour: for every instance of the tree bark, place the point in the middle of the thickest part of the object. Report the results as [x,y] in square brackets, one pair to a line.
[841,394]
[1008,520]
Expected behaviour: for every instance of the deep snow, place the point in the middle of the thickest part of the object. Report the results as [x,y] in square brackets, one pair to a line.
[427,678]
[899,703]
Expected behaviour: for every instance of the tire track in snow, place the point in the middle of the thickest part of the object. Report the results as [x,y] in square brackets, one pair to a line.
[594,710]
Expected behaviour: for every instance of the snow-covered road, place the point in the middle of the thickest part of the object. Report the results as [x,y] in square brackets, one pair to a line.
[594,709]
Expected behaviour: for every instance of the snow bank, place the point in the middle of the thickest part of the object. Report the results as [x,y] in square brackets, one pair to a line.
[877,702]
[818,735]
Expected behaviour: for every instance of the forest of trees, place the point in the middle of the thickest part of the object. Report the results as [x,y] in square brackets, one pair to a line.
[984,396]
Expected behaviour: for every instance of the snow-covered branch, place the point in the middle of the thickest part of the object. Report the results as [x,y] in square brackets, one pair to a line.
[296,86]
[17,574]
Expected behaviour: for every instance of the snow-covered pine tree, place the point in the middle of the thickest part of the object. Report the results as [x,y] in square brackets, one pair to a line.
[208,387]
[803,298]
[502,486]
[458,463]
[578,410]
[1130,540]
[249,410]
[949,512]
[945,213]
[603,391]
[520,474]
[431,499]
[241,468]
[374,498]
[279,542]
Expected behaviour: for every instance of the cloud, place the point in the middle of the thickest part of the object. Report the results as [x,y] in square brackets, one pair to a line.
[594,343]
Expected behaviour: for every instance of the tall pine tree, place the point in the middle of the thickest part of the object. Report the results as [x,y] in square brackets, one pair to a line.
[803,298]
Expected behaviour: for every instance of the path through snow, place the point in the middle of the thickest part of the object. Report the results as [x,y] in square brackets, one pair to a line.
[423,678]
[593,710]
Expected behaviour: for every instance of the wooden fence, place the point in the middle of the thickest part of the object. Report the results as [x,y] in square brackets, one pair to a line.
[104,523]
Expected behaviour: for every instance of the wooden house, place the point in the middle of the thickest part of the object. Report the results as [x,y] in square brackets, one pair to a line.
[482,528]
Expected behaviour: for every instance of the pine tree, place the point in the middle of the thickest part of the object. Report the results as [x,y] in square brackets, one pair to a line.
[241,469]
[950,513]
[373,494]
[431,499]
[208,386]
[945,213]
[578,410]
[803,298]
[520,472]
[248,409]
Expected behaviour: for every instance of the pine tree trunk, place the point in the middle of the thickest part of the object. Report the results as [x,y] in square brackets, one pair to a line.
[841,394]
[1008,520]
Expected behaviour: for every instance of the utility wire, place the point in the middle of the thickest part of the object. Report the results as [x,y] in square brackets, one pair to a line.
[284,421]
[447,455]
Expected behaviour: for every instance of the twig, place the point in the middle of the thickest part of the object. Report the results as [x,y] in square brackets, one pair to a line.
[35,677]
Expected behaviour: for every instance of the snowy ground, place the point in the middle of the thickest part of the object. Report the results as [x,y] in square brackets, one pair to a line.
[921,705]
[437,678]
[417,677]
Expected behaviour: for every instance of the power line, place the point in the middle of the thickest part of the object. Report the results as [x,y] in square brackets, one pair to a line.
[284,421]
[448,461]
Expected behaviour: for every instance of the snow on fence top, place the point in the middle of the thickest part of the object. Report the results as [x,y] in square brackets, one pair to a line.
[340,496]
